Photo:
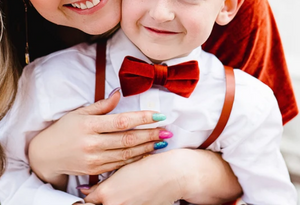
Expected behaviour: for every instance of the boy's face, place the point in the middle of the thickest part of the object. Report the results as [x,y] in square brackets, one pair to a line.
[92,16]
[165,29]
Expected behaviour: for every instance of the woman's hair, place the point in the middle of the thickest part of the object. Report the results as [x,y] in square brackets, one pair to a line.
[8,72]
[8,80]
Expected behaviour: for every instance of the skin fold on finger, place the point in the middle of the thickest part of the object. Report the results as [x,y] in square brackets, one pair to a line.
[120,122]
[132,138]
[117,155]
[116,165]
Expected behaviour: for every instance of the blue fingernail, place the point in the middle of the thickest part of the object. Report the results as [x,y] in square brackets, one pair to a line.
[158,117]
[160,145]
[83,186]
[114,91]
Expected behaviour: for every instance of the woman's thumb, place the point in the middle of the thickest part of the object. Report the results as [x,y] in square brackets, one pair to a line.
[91,194]
[86,189]
[102,107]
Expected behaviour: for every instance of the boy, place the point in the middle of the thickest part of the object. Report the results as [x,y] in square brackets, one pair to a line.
[169,32]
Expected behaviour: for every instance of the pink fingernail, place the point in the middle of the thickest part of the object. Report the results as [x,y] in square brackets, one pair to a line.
[164,134]
[83,186]
[114,91]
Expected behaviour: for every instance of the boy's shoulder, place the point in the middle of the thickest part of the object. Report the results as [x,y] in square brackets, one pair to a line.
[252,85]
[251,95]
[64,62]
[68,55]
[65,77]
[244,81]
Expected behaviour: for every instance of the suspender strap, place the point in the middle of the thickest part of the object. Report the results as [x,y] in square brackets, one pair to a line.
[99,85]
[227,107]
[100,71]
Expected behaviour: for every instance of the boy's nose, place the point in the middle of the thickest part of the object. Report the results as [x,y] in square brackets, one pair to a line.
[161,12]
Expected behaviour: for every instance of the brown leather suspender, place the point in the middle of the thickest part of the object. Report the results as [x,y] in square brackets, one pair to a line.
[227,106]
[99,85]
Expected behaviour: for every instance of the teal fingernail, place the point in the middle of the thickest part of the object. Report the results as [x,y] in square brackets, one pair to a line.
[158,117]
[160,145]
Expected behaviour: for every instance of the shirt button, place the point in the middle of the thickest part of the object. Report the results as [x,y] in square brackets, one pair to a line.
[151,105]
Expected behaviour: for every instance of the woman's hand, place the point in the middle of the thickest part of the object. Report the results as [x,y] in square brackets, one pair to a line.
[198,176]
[154,180]
[87,142]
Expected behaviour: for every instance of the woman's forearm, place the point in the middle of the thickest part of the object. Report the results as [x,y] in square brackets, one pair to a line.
[208,178]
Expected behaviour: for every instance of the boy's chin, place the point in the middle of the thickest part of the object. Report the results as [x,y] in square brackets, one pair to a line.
[158,58]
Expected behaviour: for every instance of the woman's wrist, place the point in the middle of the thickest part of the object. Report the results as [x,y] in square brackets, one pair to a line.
[42,166]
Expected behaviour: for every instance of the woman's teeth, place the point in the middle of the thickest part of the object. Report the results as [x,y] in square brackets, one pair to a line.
[87,5]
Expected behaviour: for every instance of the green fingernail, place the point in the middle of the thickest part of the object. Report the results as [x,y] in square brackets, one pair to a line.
[158,117]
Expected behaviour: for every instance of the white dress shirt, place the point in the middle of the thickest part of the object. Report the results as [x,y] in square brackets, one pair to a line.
[63,81]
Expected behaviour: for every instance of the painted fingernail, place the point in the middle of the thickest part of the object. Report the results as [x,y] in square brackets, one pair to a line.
[164,134]
[83,186]
[113,92]
[160,145]
[158,117]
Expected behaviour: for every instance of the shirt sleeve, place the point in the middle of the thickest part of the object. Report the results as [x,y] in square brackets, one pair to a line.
[19,186]
[27,117]
[256,160]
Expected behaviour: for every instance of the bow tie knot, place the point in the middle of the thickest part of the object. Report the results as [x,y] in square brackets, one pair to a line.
[160,74]
[137,76]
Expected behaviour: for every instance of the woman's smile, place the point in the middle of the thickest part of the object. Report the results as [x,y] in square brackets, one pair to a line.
[86,4]
[86,7]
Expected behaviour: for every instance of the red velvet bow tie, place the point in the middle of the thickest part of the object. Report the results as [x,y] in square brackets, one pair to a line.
[137,76]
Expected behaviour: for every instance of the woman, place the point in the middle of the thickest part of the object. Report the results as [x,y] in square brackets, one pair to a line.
[66,128]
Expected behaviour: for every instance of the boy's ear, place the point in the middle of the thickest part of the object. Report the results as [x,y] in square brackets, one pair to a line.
[228,12]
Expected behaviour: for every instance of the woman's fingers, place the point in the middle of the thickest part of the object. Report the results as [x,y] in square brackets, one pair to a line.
[108,160]
[130,138]
[115,165]
[99,123]
[102,106]
[125,154]
[122,121]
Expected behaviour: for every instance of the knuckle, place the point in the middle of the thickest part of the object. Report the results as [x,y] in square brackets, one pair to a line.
[117,166]
[144,118]
[120,164]
[89,146]
[99,105]
[90,167]
[122,122]
[129,139]
[126,154]
[93,168]
[152,135]
[148,148]
[87,124]
[100,170]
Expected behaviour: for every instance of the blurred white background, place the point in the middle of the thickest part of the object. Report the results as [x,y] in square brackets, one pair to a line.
[287,16]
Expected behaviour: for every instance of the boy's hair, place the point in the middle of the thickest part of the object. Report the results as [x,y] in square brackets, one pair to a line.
[8,80]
